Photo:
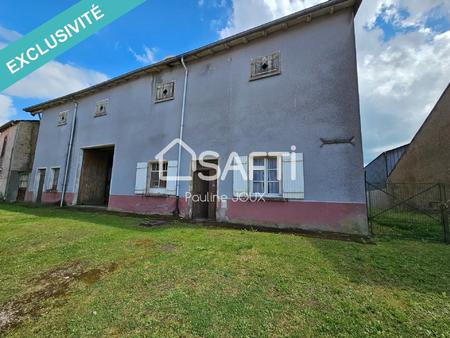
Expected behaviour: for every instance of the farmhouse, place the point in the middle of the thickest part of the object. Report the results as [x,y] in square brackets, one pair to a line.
[289,86]
[427,159]
[17,145]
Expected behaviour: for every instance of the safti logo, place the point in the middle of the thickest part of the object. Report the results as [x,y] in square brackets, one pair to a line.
[234,163]
[61,33]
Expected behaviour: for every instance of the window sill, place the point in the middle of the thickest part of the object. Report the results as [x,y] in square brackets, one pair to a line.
[164,100]
[149,194]
[270,197]
[264,75]
[274,199]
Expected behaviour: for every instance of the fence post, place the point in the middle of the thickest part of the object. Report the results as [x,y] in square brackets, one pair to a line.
[368,203]
[444,213]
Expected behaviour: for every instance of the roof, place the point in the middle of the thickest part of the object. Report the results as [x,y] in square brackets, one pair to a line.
[13,123]
[306,15]
[386,153]
[422,127]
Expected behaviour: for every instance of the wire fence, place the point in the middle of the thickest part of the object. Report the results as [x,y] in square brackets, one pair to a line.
[408,210]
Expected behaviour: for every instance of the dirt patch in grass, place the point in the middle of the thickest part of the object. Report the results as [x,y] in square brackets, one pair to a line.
[49,285]
[142,242]
[168,247]
[151,223]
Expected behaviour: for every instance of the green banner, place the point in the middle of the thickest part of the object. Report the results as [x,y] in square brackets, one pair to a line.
[53,38]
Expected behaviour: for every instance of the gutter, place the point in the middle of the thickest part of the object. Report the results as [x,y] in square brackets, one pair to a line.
[183,110]
[69,154]
[283,23]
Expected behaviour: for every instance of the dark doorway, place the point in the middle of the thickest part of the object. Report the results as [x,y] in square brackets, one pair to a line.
[95,180]
[41,180]
[204,194]
[22,186]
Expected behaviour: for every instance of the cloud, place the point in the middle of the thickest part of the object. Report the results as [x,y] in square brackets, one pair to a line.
[403,61]
[7,110]
[400,79]
[212,3]
[250,13]
[148,57]
[55,79]
[8,35]
[52,80]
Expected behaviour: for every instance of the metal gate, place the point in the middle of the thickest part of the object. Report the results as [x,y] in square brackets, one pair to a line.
[408,210]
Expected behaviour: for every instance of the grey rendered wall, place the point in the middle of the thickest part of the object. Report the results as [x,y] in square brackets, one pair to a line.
[51,145]
[315,96]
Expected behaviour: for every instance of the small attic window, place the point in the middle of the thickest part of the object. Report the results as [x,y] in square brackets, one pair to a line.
[62,118]
[101,108]
[265,66]
[165,91]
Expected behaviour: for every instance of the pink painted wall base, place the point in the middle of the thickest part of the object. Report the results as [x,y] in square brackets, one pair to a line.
[349,218]
[51,197]
[147,205]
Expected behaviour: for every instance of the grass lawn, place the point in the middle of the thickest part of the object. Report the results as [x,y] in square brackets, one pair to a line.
[408,224]
[72,273]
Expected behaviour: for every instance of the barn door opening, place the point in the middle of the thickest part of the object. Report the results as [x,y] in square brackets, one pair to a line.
[95,179]
[204,194]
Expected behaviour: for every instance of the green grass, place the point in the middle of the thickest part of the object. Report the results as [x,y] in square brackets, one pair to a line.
[408,225]
[186,280]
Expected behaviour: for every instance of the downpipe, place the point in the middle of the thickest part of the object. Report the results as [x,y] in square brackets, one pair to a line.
[183,109]
[69,154]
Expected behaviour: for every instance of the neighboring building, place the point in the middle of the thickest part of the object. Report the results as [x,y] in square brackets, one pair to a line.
[379,170]
[289,82]
[17,146]
[427,159]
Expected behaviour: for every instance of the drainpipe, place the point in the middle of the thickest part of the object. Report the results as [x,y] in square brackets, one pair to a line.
[183,109]
[69,154]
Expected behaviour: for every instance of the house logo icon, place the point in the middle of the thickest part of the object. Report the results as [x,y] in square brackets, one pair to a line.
[181,145]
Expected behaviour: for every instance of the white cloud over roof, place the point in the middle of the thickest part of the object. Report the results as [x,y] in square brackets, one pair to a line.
[401,78]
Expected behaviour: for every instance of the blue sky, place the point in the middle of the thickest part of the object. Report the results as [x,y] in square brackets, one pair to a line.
[164,27]
[403,52]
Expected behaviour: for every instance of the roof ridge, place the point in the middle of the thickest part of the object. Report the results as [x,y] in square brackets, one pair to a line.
[305,15]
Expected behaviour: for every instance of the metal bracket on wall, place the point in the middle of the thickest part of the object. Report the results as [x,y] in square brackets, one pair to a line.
[337,141]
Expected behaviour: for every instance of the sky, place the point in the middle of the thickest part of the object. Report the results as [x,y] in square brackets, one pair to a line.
[403,49]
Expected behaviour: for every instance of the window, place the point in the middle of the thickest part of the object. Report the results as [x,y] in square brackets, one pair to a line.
[265,170]
[23,180]
[5,142]
[62,118]
[165,91]
[265,66]
[101,108]
[156,185]
[54,179]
